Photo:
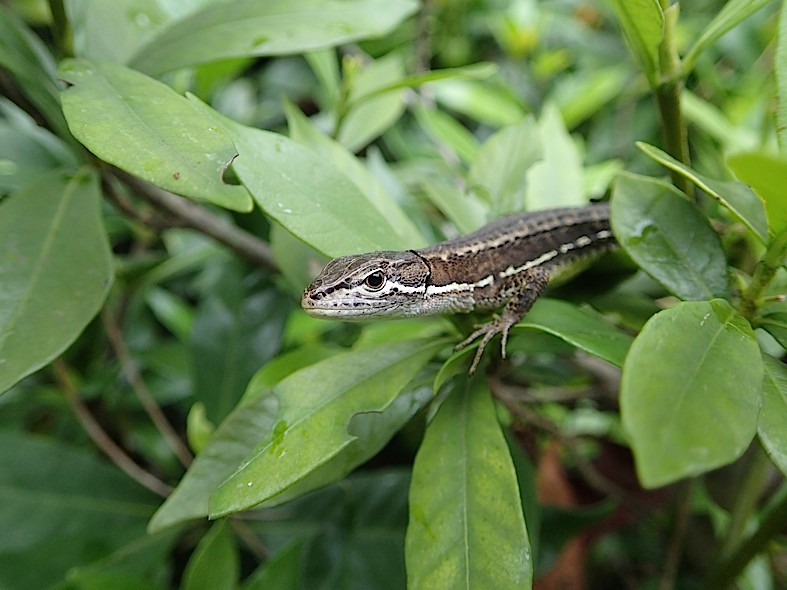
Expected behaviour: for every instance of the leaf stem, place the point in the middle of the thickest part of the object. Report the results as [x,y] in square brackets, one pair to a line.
[668,98]
[766,268]
[61,30]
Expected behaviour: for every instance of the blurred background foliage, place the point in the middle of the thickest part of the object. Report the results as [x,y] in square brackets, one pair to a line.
[189,321]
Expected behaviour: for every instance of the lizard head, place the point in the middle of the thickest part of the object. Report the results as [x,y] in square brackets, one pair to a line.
[366,285]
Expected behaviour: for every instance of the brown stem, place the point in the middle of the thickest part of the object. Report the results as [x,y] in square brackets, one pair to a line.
[140,388]
[196,217]
[101,439]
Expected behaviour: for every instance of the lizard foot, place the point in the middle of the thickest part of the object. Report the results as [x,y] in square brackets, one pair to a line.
[498,325]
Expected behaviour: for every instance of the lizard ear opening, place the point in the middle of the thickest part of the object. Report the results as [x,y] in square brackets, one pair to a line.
[374,281]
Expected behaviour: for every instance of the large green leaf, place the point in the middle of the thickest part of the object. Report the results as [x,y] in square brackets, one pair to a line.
[773,415]
[55,270]
[499,169]
[274,27]
[306,194]
[150,131]
[690,391]
[643,25]
[302,131]
[466,525]
[741,201]
[62,508]
[731,15]
[668,237]
[767,175]
[316,421]
[579,327]
[233,440]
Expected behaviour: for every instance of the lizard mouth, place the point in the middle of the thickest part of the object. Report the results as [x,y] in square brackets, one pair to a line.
[340,309]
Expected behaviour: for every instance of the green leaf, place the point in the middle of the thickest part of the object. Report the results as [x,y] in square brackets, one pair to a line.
[488,101]
[499,169]
[767,175]
[215,562]
[668,237]
[27,150]
[446,131]
[466,525]
[314,424]
[28,60]
[238,327]
[690,391]
[731,15]
[302,131]
[138,565]
[235,437]
[350,534]
[55,270]
[464,209]
[579,327]
[580,96]
[280,571]
[231,442]
[274,27]
[556,179]
[306,194]
[774,320]
[643,26]
[773,415]
[65,504]
[114,31]
[150,131]
[375,103]
[738,198]
[479,70]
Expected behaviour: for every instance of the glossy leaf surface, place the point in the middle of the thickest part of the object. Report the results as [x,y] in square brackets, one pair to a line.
[690,405]
[668,237]
[155,133]
[466,525]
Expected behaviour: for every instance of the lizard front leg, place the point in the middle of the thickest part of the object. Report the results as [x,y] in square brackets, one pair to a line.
[525,288]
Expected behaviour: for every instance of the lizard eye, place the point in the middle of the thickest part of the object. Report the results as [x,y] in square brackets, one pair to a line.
[374,281]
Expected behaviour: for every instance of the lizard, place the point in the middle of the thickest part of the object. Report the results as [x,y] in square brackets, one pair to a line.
[506,264]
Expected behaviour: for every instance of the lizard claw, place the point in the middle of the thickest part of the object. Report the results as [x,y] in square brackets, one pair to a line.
[499,325]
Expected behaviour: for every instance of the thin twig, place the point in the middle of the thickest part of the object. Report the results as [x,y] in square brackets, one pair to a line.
[196,217]
[251,540]
[125,206]
[102,440]
[140,388]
